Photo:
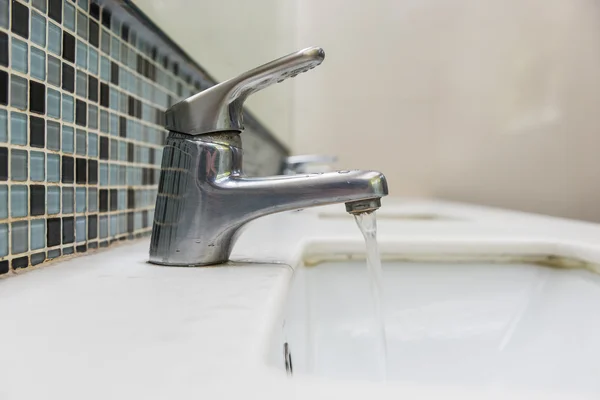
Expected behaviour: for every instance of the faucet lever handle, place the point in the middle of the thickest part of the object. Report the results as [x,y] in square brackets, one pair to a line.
[219,108]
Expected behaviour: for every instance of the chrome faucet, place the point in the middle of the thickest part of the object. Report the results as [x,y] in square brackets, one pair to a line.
[204,198]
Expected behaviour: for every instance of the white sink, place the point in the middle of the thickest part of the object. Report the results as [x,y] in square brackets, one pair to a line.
[494,320]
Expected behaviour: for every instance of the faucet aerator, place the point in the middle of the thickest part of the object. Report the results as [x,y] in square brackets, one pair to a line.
[366,206]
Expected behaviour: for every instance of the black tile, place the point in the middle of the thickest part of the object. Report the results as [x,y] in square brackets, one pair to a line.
[130,152]
[37,131]
[4,267]
[3,87]
[3,49]
[21,262]
[80,112]
[198,86]
[125,32]
[53,235]
[93,33]
[68,230]
[92,88]
[145,218]
[67,169]
[37,202]
[37,97]
[154,53]
[55,10]
[113,199]
[81,249]
[80,170]
[114,73]
[92,245]
[103,200]
[140,64]
[103,148]
[68,77]
[106,16]
[122,127]
[20,19]
[95,10]
[129,222]
[92,172]
[130,198]
[68,47]
[92,223]
[131,106]
[175,68]
[165,62]
[138,108]
[152,156]
[3,163]
[103,94]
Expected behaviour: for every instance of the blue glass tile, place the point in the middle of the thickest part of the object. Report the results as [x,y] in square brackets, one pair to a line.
[40,5]
[3,125]
[53,168]
[103,226]
[52,136]
[54,38]
[67,139]
[18,128]
[114,124]
[122,175]
[123,102]
[92,116]
[80,142]
[18,92]
[67,108]
[67,200]
[103,174]
[54,71]
[4,13]
[82,25]
[83,4]
[69,15]
[3,238]
[37,166]
[80,200]
[82,56]
[19,56]
[92,144]
[123,151]
[53,199]
[115,49]
[81,84]
[38,29]
[104,69]
[80,230]
[115,26]
[114,225]
[19,201]
[137,220]
[68,250]
[92,200]
[103,121]
[38,64]
[3,201]
[53,253]
[53,103]
[38,234]
[122,201]
[105,41]
[122,223]
[93,61]
[114,174]
[20,236]
[18,165]
[38,258]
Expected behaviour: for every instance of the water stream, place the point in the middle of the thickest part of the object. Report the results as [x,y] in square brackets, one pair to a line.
[367,223]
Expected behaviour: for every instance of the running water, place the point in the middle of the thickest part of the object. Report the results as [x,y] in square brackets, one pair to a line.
[367,223]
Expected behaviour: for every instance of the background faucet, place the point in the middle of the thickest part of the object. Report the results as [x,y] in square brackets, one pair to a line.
[204,198]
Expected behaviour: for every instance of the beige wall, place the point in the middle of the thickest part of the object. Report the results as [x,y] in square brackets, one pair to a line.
[228,37]
[494,102]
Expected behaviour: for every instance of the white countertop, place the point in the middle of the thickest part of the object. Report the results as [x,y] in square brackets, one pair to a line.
[111,326]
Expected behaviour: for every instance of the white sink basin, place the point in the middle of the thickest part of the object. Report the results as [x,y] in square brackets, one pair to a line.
[491,321]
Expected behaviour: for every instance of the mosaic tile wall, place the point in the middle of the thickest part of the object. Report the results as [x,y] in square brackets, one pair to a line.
[83,89]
